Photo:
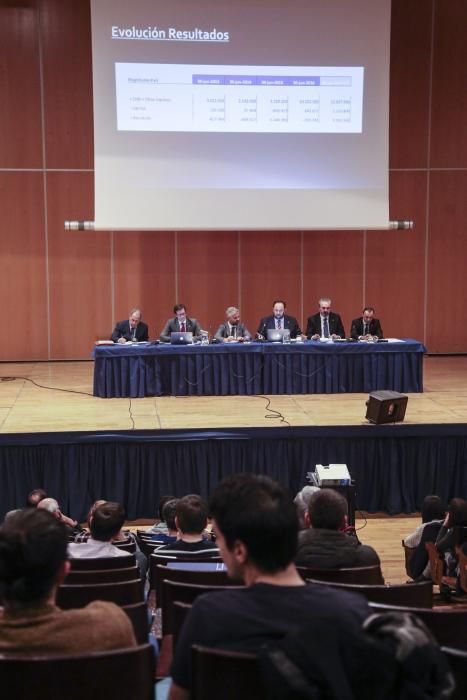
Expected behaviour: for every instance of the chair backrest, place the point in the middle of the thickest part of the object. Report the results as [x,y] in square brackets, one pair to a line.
[139,617]
[225,674]
[126,545]
[360,574]
[126,674]
[172,591]
[448,625]
[458,662]
[121,593]
[103,563]
[179,614]
[436,562]
[156,560]
[416,595]
[102,575]
[408,554]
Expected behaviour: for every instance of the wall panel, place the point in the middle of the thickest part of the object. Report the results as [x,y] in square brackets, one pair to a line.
[79,270]
[23,279]
[411,22]
[449,103]
[270,269]
[333,267]
[395,261]
[447,327]
[144,276]
[207,272]
[20,102]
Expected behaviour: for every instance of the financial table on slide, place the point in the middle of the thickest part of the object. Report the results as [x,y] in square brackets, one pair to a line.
[259,99]
[256,368]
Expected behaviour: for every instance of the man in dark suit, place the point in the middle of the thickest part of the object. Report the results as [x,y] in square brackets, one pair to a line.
[279,321]
[132,330]
[367,327]
[180,324]
[233,330]
[325,324]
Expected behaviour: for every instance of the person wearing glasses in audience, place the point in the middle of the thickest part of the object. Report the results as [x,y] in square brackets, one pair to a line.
[232,330]
[278,321]
[181,323]
[133,330]
[325,324]
[367,327]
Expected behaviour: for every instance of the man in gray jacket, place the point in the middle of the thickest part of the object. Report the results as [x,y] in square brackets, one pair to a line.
[325,545]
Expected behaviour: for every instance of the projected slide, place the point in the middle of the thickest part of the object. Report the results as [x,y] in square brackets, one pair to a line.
[254,99]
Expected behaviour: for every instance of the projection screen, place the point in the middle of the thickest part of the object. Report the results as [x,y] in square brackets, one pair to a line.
[248,114]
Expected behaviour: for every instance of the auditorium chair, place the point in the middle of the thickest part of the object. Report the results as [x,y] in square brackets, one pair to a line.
[121,593]
[408,554]
[458,662]
[102,575]
[126,545]
[126,674]
[103,563]
[416,595]
[156,560]
[179,614]
[139,617]
[227,674]
[360,574]
[447,625]
[462,558]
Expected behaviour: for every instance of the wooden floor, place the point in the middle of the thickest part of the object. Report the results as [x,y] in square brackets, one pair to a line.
[67,403]
[64,402]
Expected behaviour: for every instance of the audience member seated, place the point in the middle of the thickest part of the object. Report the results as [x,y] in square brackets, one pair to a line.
[51,505]
[161,525]
[169,512]
[302,501]
[105,523]
[325,545]
[433,514]
[452,533]
[191,519]
[33,563]
[256,525]
[34,497]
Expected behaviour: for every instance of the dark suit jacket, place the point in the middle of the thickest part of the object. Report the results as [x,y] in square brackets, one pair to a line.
[290,323]
[173,326]
[223,331]
[336,326]
[357,328]
[122,330]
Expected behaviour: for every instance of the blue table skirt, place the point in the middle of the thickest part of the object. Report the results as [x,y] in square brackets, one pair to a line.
[256,368]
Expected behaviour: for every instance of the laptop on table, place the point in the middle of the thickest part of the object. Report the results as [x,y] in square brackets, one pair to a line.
[179,338]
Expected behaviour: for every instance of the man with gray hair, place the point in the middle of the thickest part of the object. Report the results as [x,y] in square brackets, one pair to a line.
[302,501]
[52,506]
[232,330]
[325,324]
[133,330]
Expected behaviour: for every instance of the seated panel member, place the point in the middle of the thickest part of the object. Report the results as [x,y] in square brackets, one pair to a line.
[232,330]
[180,324]
[279,321]
[367,327]
[133,329]
[325,324]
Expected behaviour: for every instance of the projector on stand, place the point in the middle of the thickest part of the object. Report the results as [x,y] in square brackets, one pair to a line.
[332,475]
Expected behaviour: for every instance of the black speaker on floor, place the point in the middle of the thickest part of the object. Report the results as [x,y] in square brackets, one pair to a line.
[386,407]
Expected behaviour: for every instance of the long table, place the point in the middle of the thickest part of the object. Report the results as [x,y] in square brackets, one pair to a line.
[253,368]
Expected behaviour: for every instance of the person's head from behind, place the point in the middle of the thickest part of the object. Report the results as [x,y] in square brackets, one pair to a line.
[302,501]
[34,497]
[457,512]
[327,510]
[433,508]
[160,507]
[33,557]
[169,513]
[51,506]
[95,505]
[107,521]
[256,524]
[191,515]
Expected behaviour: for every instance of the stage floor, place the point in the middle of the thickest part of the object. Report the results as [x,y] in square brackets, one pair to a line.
[57,396]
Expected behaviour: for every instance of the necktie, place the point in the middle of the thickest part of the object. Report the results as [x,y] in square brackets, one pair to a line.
[182,327]
[234,331]
[325,327]
[278,324]
[365,328]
